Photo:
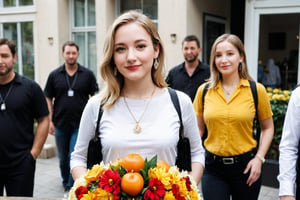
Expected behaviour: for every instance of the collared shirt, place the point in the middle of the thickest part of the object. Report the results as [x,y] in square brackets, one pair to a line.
[289,146]
[179,79]
[24,103]
[230,123]
[67,109]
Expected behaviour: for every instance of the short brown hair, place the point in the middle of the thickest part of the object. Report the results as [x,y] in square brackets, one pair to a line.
[70,43]
[10,44]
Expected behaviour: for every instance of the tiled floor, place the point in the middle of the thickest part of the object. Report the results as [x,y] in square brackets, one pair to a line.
[48,182]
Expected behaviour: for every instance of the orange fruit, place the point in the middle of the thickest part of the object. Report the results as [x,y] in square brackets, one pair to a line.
[132,183]
[163,164]
[133,162]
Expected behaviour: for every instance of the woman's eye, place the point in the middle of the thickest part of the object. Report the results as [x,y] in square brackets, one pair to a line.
[120,49]
[141,46]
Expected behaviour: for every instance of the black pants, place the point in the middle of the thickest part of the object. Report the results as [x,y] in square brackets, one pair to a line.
[19,181]
[223,178]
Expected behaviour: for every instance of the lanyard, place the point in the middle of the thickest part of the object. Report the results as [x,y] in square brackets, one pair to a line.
[70,90]
[3,105]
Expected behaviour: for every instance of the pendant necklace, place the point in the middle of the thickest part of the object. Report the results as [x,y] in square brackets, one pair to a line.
[137,128]
[2,100]
[227,92]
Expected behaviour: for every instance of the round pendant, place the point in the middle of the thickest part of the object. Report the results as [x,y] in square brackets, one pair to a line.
[137,128]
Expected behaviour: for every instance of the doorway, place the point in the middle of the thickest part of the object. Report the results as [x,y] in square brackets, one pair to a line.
[279,40]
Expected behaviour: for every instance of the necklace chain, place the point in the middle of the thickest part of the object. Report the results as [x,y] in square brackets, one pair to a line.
[3,105]
[137,128]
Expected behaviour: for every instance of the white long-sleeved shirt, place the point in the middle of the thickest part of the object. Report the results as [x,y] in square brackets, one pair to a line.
[160,129]
[289,146]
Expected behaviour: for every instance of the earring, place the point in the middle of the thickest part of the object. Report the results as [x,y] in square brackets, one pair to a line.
[115,71]
[155,64]
[240,67]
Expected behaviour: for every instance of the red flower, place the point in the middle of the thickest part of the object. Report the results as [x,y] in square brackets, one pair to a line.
[80,191]
[175,191]
[155,190]
[109,181]
[187,183]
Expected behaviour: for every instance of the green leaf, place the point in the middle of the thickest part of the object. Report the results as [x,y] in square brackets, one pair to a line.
[121,170]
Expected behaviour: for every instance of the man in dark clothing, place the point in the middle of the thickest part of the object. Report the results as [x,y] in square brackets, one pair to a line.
[22,101]
[188,76]
[67,90]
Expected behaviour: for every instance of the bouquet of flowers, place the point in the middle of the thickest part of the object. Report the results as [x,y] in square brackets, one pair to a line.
[134,178]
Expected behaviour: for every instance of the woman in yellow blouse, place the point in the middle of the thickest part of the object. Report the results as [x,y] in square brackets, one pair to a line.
[233,159]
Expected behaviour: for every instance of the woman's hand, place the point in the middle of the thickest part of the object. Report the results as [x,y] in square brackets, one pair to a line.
[254,166]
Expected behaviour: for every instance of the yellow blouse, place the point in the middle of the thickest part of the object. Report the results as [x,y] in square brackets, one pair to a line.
[229,124]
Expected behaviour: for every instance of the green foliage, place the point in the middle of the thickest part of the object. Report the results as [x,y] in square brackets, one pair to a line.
[279,101]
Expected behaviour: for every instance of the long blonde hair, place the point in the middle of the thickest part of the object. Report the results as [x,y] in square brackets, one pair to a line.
[215,75]
[115,82]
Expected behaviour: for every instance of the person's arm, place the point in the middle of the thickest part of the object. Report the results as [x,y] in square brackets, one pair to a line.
[78,172]
[50,108]
[197,171]
[288,148]
[267,132]
[287,198]
[40,136]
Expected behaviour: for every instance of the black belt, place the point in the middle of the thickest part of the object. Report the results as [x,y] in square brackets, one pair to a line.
[229,160]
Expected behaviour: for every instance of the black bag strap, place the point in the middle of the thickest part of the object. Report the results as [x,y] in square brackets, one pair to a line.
[204,136]
[97,132]
[256,129]
[175,101]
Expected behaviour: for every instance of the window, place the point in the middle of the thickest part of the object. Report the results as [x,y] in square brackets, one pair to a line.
[15,3]
[15,26]
[22,34]
[147,7]
[84,31]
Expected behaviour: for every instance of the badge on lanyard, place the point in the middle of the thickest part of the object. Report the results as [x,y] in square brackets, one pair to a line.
[3,106]
[70,93]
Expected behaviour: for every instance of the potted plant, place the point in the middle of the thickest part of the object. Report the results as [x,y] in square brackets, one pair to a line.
[279,102]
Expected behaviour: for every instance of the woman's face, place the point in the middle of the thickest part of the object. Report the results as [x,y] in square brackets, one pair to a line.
[134,52]
[227,58]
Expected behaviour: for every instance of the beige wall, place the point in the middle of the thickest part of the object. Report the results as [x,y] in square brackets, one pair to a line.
[181,17]
[185,18]
[51,22]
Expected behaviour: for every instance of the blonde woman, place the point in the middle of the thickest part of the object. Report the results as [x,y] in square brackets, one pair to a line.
[233,159]
[139,116]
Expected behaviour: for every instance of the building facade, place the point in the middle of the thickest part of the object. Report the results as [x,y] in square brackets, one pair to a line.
[40,27]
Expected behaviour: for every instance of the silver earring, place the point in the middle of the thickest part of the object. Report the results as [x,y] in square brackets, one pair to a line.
[155,64]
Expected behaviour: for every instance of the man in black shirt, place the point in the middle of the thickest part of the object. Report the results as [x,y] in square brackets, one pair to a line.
[188,76]
[67,90]
[22,101]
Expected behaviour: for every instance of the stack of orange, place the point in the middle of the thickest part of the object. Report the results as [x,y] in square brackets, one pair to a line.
[132,182]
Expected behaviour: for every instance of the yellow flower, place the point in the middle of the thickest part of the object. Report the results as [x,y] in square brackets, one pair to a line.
[95,173]
[182,189]
[161,175]
[269,95]
[269,89]
[88,196]
[194,195]
[169,196]
[101,194]
[286,93]
[276,90]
